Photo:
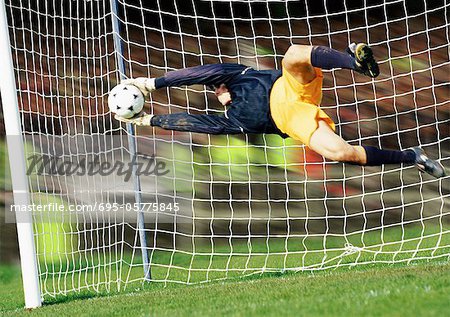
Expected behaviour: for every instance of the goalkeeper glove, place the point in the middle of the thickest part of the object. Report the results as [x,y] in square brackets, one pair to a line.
[145,85]
[142,119]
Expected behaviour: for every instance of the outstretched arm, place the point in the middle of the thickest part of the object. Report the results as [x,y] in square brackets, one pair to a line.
[212,74]
[201,123]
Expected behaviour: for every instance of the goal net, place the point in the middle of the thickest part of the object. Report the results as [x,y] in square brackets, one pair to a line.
[228,206]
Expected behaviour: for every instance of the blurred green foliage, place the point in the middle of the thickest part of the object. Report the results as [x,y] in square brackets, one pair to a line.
[228,159]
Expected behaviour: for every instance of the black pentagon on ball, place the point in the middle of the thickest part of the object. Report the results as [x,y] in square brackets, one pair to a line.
[117,107]
[125,88]
[130,108]
[135,96]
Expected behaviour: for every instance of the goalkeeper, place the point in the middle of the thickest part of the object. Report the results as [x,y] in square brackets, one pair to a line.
[279,102]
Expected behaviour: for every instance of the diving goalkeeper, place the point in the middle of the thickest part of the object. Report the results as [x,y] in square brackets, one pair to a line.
[279,102]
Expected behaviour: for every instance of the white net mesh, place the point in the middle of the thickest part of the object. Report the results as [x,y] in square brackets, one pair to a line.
[247,203]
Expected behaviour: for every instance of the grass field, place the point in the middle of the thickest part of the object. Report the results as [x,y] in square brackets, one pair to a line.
[419,290]
[101,269]
[378,288]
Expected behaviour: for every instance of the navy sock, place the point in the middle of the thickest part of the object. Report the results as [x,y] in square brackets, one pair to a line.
[328,58]
[376,156]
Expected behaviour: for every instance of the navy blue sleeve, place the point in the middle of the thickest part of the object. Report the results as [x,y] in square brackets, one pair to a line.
[212,74]
[201,123]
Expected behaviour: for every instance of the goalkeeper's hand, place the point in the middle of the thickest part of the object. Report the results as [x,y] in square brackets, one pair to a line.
[141,119]
[145,85]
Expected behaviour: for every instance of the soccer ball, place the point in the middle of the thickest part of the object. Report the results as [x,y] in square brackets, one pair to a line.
[125,100]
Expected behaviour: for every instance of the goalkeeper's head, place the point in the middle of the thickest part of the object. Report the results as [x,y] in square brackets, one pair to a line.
[222,93]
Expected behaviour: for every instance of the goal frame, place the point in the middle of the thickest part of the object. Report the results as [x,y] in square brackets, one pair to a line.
[142,263]
[15,146]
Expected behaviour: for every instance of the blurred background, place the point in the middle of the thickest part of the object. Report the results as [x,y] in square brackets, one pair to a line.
[244,186]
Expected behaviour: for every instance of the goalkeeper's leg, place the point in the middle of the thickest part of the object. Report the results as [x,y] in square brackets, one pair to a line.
[300,60]
[325,142]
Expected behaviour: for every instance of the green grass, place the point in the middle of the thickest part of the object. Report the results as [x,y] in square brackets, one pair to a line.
[420,290]
[83,270]
[385,280]
[374,289]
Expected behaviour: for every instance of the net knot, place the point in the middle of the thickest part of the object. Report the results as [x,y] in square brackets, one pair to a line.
[350,248]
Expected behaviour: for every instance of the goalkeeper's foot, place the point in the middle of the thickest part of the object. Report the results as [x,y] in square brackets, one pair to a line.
[141,119]
[427,165]
[365,63]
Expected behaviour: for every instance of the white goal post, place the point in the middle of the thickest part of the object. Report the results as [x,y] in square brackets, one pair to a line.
[109,211]
[19,179]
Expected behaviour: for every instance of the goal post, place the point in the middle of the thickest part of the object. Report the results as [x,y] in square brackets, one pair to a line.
[13,129]
[132,145]
[201,207]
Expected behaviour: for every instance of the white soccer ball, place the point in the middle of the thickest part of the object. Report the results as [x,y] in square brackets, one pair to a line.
[125,100]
